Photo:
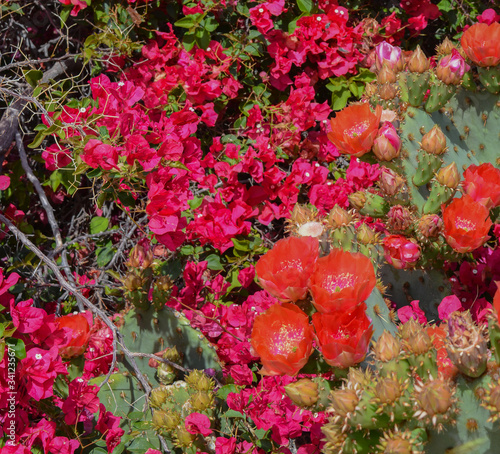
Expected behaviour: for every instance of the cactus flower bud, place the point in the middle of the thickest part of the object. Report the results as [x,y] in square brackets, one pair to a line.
[140,258]
[401,252]
[201,400]
[198,380]
[344,401]
[491,400]
[435,401]
[399,442]
[389,389]
[387,91]
[158,397]
[410,328]
[165,420]
[366,235]
[389,55]
[434,141]
[399,218]
[390,182]
[449,176]
[387,144]
[446,47]
[132,282]
[303,392]
[418,62]
[387,347]
[430,225]
[339,217]
[182,438]
[166,374]
[357,199]
[386,75]
[466,345]
[451,68]
[419,342]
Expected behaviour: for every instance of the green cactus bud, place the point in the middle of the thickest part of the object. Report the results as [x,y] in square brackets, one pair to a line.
[418,62]
[357,199]
[439,95]
[490,78]
[386,75]
[434,142]
[428,165]
[418,343]
[201,400]
[132,281]
[387,347]
[172,355]
[303,392]
[410,328]
[360,378]
[198,380]
[166,374]
[375,205]
[435,401]
[165,420]
[182,438]
[414,87]
[466,344]
[439,194]
[158,397]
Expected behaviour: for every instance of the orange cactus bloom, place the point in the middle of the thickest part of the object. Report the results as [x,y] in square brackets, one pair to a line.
[481,43]
[285,269]
[466,224]
[355,128]
[341,281]
[343,337]
[445,366]
[283,338]
[482,183]
[77,330]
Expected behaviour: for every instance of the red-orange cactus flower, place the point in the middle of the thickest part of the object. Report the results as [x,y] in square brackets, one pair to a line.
[343,337]
[77,330]
[354,129]
[285,269]
[466,224]
[341,281]
[496,300]
[283,338]
[482,183]
[481,43]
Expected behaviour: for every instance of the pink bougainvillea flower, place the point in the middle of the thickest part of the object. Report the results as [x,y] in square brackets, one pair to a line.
[81,397]
[448,305]
[354,129]
[400,252]
[343,337]
[412,311]
[285,269]
[481,43]
[97,154]
[39,370]
[482,183]
[4,182]
[77,329]
[197,423]
[25,317]
[341,281]
[466,224]
[283,339]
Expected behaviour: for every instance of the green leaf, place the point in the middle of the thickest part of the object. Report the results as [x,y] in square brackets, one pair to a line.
[214,262]
[340,98]
[188,21]
[18,346]
[234,414]
[175,164]
[202,38]
[445,5]
[223,392]
[33,76]
[209,24]
[104,255]
[37,141]
[306,6]
[98,224]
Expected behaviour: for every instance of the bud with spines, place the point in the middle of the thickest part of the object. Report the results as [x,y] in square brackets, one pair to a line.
[451,68]
[434,141]
[200,381]
[418,62]
[390,183]
[434,402]
[387,144]
[430,226]
[303,392]
[369,204]
[466,344]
